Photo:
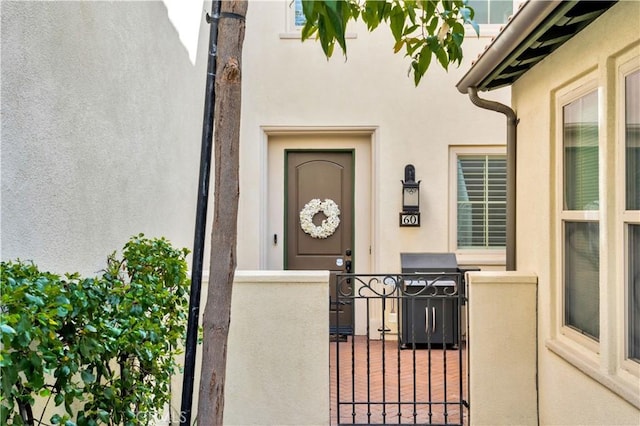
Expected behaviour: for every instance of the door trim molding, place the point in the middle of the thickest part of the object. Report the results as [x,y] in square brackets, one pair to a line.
[372,134]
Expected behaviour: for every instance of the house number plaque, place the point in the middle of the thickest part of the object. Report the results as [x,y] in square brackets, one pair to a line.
[410,219]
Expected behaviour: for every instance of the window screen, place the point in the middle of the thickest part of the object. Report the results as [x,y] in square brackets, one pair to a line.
[581,277]
[633,340]
[580,141]
[581,238]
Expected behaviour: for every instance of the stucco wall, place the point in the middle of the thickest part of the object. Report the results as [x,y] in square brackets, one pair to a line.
[567,396]
[101,123]
[502,348]
[289,84]
[278,353]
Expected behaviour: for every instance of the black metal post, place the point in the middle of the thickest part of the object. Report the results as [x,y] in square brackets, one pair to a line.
[201,219]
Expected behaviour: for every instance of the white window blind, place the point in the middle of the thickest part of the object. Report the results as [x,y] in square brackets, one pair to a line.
[632,140]
[482,199]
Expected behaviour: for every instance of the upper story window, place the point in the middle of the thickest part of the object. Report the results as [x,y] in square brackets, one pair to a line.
[487,12]
[491,11]
[298,15]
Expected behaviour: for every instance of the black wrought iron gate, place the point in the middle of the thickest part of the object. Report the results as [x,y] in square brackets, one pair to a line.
[410,366]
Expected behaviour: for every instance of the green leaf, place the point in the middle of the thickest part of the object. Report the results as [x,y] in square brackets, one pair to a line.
[398,46]
[308,7]
[87,377]
[442,58]
[397,22]
[425,60]
[8,378]
[6,329]
[64,371]
[36,300]
[103,415]
[62,300]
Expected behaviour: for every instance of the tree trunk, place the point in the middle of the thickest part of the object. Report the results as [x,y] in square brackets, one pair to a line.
[217,313]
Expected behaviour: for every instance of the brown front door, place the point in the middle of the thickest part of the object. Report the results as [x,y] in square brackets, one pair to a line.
[326,176]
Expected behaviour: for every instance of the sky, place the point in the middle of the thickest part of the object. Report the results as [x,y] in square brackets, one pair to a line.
[185,16]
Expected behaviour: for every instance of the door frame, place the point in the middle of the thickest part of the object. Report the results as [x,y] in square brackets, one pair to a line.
[363,140]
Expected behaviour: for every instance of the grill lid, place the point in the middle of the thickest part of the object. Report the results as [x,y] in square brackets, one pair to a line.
[428,262]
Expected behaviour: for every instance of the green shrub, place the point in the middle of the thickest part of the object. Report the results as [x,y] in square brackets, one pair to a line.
[105,344]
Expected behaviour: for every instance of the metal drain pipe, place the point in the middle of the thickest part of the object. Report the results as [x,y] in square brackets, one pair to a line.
[201,219]
[512,123]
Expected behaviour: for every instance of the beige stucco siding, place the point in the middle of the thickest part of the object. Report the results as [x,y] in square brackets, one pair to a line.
[566,394]
[287,84]
[101,119]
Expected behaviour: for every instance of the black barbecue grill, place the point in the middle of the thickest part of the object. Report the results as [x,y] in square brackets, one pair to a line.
[431,315]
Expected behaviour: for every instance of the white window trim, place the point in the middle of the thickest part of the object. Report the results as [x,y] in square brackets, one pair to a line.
[603,361]
[564,96]
[495,257]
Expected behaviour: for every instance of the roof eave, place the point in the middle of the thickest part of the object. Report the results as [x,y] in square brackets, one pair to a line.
[523,23]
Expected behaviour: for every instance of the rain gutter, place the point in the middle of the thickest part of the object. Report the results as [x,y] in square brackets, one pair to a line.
[523,23]
[526,20]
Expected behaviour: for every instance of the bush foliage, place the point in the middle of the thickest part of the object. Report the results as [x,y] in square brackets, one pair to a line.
[101,348]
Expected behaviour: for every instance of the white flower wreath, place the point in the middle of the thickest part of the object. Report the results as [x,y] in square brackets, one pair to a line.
[328,226]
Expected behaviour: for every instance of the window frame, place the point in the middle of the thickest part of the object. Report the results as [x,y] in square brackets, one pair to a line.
[625,66]
[488,256]
[576,90]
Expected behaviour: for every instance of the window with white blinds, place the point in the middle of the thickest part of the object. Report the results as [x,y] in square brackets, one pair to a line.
[581,233]
[481,201]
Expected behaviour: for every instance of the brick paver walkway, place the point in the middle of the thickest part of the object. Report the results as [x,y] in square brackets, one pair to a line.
[397,384]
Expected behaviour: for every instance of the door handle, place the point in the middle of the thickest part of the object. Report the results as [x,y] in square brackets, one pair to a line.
[426,320]
[433,322]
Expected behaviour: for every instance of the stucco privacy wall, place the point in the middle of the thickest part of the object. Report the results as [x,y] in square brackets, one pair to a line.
[502,348]
[288,84]
[278,353]
[101,123]
[566,394]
